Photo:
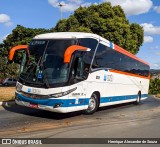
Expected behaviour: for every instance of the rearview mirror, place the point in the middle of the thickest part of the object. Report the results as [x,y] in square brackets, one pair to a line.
[16,48]
[69,51]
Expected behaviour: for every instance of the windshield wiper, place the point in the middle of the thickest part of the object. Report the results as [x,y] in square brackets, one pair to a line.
[46,83]
[31,70]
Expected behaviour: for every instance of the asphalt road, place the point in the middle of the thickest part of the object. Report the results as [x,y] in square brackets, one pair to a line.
[120,121]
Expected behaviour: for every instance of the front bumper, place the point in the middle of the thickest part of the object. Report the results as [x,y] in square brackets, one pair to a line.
[60,105]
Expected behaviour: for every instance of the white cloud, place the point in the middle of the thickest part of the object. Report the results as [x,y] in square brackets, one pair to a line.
[8,24]
[3,38]
[155,47]
[148,39]
[158,53]
[132,7]
[69,5]
[5,19]
[151,29]
[157,9]
[156,65]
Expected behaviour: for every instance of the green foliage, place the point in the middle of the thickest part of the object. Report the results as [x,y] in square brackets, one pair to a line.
[154,87]
[61,26]
[106,21]
[8,70]
[19,36]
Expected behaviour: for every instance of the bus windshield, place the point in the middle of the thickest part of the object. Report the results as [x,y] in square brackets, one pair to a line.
[46,62]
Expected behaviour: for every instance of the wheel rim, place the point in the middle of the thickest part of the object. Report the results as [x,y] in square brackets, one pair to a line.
[92,104]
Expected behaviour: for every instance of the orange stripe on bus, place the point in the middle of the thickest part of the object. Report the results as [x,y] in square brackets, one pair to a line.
[123,51]
[129,74]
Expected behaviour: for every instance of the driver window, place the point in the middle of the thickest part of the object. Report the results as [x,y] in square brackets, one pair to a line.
[80,68]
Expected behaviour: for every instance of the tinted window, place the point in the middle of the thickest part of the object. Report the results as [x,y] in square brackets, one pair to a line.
[55,70]
[89,43]
[109,58]
[103,57]
[46,64]
[58,47]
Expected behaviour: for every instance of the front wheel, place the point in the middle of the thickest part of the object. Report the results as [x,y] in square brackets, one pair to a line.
[93,104]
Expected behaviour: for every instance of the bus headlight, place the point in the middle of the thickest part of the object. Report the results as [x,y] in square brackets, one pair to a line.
[18,87]
[56,95]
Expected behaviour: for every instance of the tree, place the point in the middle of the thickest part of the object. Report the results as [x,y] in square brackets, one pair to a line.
[19,36]
[154,87]
[8,70]
[106,21]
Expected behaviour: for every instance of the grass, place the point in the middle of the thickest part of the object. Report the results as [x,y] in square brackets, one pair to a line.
[7,93]
[158,95]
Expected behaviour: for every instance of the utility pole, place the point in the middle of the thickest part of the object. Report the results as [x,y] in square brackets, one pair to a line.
[61,5]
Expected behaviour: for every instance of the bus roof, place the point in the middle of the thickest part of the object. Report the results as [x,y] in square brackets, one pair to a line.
[59,35]
[69,35]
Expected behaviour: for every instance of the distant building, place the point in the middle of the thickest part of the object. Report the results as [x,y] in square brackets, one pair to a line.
[155,76]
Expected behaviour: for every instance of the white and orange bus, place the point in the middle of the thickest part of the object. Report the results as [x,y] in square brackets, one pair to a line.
[71,71]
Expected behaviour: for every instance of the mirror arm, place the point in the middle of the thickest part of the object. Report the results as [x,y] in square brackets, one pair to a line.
[14,49]
[69,51]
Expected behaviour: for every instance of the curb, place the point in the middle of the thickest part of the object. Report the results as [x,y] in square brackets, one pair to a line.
[7,103]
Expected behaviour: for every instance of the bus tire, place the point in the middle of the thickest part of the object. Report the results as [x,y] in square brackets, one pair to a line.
[93,105]
[138,100]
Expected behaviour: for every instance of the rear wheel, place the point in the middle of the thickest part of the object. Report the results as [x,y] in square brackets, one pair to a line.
[93,104]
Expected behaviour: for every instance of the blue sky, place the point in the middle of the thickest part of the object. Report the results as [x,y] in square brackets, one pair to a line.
[45,14]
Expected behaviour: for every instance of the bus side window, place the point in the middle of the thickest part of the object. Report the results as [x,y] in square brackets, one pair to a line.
[80,69]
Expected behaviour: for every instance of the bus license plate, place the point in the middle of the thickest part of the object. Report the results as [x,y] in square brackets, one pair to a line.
[33,105]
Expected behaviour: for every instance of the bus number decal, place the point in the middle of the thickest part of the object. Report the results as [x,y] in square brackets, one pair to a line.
[33,90]
[36,91]
[108,78]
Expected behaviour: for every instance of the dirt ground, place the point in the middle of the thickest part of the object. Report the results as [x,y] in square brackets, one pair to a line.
[158,95]
[7,93]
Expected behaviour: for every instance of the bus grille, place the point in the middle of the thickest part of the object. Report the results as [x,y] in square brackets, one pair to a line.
[34,96]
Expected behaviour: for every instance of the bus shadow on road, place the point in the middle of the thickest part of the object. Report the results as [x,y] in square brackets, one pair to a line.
[12,107]
[37,112]
[117,106]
